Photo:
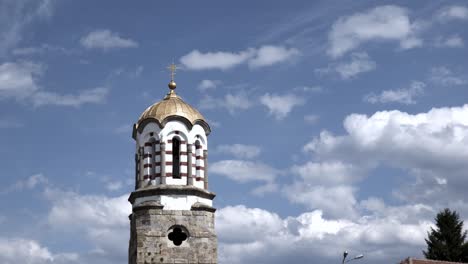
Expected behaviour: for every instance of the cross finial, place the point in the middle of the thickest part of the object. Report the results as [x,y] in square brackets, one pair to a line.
[173,69]
[172,84]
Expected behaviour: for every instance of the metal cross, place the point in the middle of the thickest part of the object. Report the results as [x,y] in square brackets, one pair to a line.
[173,69]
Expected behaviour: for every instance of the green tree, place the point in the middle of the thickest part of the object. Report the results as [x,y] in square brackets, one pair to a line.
[447,241]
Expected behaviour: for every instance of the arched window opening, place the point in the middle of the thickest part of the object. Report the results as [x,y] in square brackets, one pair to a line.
[151,156]
[176,158]
[198,162]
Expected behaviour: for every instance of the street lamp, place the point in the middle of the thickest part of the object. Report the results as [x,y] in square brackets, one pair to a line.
[345,254]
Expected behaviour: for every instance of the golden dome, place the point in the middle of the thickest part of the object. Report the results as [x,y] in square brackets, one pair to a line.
[170,108]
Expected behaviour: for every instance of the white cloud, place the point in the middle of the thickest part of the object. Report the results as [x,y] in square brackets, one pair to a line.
[268,187]
[281,105]
[15,16]
[445,77]
[453,41]
[269,55]
[243,171]
[335,201]
[195,60]
[337,172]
[453,13]
[30,251]
[250,235]
[326,185]
[95,95]
[411,42]
[236,101]
[240,150]
[106,40]
[360,63]
[242,224]
[87,211]
[403,96]
[255,58]
[101,219]
[206,85]
[428,146]
[27,184]
[231,102]
[20,81]
[389,23]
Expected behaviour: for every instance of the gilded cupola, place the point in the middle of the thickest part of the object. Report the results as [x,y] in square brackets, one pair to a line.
[172,107]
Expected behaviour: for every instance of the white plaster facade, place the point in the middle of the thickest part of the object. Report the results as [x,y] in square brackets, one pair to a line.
[174,202]
[154,163]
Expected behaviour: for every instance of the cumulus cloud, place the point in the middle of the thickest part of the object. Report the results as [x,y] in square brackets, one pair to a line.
[255,58]
[87,211]
[250,235]
[455,12]
[403,96]
[445,77]
[230,102]
[429,146]
[279,106]
[384,23]
[335,201]
[20,81]
[336,172]
[106,40]
[102,219]
[360,62]
[240,150]
[326,185]
[30,251]
[242,224]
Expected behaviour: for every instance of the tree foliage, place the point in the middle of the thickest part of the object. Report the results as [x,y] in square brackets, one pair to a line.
[447,241]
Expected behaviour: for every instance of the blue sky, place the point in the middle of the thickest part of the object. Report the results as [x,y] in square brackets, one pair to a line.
[336,125]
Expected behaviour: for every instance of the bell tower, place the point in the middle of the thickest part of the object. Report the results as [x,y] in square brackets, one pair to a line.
[172,218]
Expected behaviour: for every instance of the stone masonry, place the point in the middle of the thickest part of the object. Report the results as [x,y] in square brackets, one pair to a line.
[151,229]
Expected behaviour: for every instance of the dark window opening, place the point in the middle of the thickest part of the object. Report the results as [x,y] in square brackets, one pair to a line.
[176,158]
[177,236]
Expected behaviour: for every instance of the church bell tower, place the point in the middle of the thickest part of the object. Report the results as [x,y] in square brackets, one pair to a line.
[172,218]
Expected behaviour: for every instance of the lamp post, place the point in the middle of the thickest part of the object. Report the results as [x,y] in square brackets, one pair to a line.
[345,254]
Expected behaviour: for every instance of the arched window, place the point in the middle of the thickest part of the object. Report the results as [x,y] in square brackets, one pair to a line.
[198,160]
[176,158]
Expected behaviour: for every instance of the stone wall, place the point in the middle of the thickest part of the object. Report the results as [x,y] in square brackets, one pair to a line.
[150,229]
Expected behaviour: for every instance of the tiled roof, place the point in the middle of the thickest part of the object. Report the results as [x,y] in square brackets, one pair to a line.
[426,261]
